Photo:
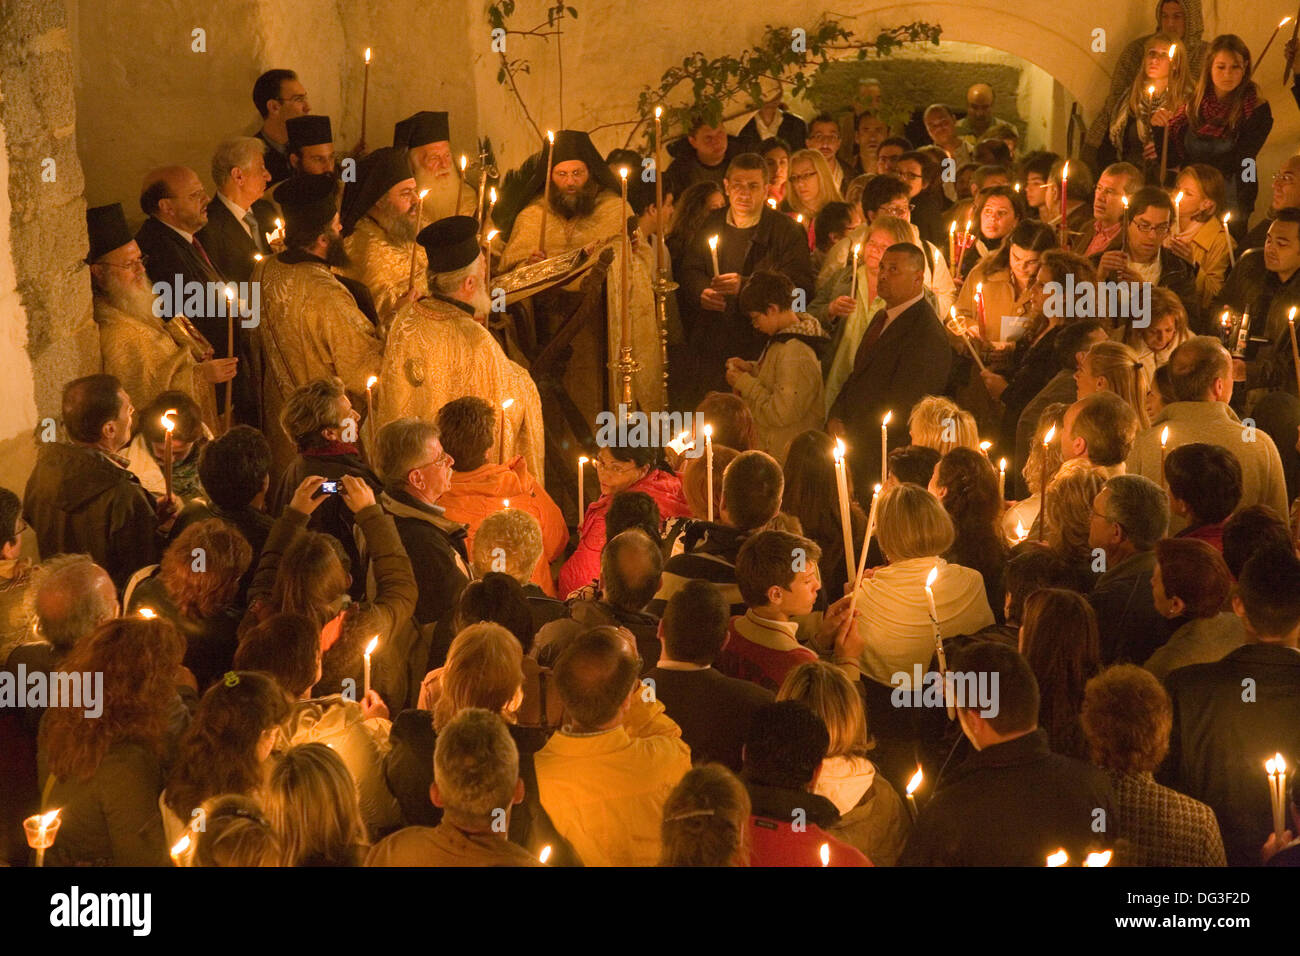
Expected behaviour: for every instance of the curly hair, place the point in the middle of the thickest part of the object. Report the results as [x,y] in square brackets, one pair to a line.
[706,820]
[138,659]
[1127,717]
[218,752]
[934,417]
[1069,509]
[512,534]
[972,501]
[202,567]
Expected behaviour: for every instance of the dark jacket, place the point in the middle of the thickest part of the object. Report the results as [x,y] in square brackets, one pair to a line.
[254,525]
[713,711]
[437,548]
[1229,717]
[710,555]
[1252,287]
[210,642]
[169,256]
[277,163]
[1226,154]
[1179,277]
[1012,804]
[408,771]
[792,129]
[910,360]
[586,614]
[685,169]
[229,245]
[776,244]
[332,517]
[1035,364]
[1130,627]
[928,210]
[78,500]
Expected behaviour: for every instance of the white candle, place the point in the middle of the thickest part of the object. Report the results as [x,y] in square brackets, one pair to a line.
[370,415]
[853,289]
[1227,237]
[912,786]
[1276,767]
[713,250]
[1164,446]
[884,447]
[866,546]
[842,488]
[582,503]
[708,466]
[370,649]
[1002,479]
[1178,201]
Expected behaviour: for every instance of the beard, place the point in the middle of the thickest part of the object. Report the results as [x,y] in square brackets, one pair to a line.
[134,296]
[399,227]
[336,254]
[578,205]
[481,302]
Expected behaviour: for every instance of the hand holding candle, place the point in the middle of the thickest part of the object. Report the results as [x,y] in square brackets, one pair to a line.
[713,251]
[41,830]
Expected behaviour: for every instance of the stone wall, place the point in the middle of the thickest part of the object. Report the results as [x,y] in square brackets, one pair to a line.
[48,336]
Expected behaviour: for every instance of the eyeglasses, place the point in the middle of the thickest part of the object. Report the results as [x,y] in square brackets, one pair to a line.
[899,209]
[443,459]
[746,187]
[824,138]
[909,176]
[1284,178]
[300,98]
[802,177]
[131,265]
[1149,230]
[615,467]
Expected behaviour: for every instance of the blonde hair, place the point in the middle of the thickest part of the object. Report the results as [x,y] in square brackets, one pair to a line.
[706,820]
[912,524]
[899,229]
[1179,87]
[485,668]
[517,534]
[1125,375]
[311,800]
[235,833]
[826,193]
[1069,507]
[935,417]
[832,697]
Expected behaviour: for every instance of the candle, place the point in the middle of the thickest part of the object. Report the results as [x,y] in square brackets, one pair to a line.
[708,466]
[960,328]
[912,786]
[985,446]
[884,447]
[659,193]
[148,613]
[419,212]
[1098,859]
[1178,219]
[1042,499]
[365,96]
[713,250]
[862,557]
[625,289]
[853,288]
[181,848]
[1123,232]
[1065,229]
[546,190]
[464,161]
[492,204]
[842,489]
[582,504]
[1021,531]
[1272,37]
[370,649]
[965,243]
[938,639]
[771,203]
[482,188]
[370,413]
[979,307]
[1276,768]
[952,242]
[1002,479]
[1059,858]
[545,854]
[1164,149]
[825,854]
[1295,352]
[1164,450]
[501,435]
[41,830]
[487,258]
[169,424]
[1227,237]
[230,353]
[1243,334]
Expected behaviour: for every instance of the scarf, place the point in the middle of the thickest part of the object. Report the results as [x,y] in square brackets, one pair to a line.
[1214,113]
[330,449]
[1146,106]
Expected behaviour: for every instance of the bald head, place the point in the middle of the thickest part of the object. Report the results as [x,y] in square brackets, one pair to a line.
[630,569]
[175,195]
[979,107]
[69,597]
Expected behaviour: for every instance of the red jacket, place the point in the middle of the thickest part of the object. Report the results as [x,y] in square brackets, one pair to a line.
[583,566]
[776,843]
[474,495]
[749,660]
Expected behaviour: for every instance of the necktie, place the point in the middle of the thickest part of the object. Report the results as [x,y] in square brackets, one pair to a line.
[198,247]
[869,338]
[254,230]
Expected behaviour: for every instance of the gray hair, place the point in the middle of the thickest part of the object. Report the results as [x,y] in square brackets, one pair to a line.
[1140,507]
[448,282]
[237,152]
[312,408]
[65,600]
[630,569]
[400,446]
[475,764]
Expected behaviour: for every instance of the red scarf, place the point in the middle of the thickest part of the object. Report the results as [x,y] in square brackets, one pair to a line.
[1214,113]
[332,448]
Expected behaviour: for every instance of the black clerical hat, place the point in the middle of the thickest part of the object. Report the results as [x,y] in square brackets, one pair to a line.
[573,144]
[310,130]
[377,173]
[451,243]
[420,129]
[309,203]
[108,230]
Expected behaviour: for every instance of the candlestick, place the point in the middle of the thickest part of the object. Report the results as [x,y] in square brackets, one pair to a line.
[659,192]
[713,250]
[842,491]
[884,447]
[1065,204]
[853,288]
[1295,352]
[546,190]
[1164,450]
[169,424]
[862,557]
[501,435]
[1227,237]
[582,504]
[371,448]
[365,96]
[708,466]
[230,353]
[938,640]
[419,213]
[1276,768]
[624,288]
[1042,498]
[1002,479]
[370,649]
[41,830]
[1272,37]
[912,786]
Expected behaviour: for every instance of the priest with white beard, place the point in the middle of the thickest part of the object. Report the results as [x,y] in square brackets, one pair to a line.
[439,349]
[426,138]
[135,343]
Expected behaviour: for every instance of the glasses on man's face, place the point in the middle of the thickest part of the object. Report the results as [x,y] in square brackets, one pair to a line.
[443,459]
[137,264]
[899,209]
[909,176]
[300,98]
[1148,229]
[1286,179]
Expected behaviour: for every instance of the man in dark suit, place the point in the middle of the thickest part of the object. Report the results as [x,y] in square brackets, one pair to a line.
[238,217]
[713,711]
[279,97]
[904,355]
[1232,715]
[1012,802]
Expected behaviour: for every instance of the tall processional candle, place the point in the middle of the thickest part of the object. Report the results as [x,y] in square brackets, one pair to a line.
[938,640]
[582,504]
[371,450]
[1042,498]
[230,353]
[853,288]
[419,213]
[659,191]
[979,307]
[842,492]
[1295,352]
[952,243]
[1273,36]
[1276,768]
[862,556]
[501,435]
[1164,453]
[546,189]
[1227,237]
[708,466]
[1065,204]
[623,287]
[365,95]
[370,649]
[884,447]
[1123,227]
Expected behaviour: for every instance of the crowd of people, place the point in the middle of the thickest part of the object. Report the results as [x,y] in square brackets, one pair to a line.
[324,610]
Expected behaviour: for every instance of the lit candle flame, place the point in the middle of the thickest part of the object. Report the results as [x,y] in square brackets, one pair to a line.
[1021,531]
[1225,320]
[857,249]
[367,56]
[1051,433]
[230,293]
[148,613]
[167,422]
[979,288]
[799,218]
[181,847]
[1276,765]
[507,403]
[985,445]
[257,257]
[1173,48]
[914,784]
[278,225]
[929,578]
[952,227]
[550,136]
[464,161]
[888,416]
[1151,90]
[1179,198]
[370,648]
[1164,436]
[505,503]
[772,203]
[708,431]
[546,850]
[1002,464]
[1059,858]
[582,460]
[825,854]
[1017,187]
[876,489]
[1226,217]
[492,234]
[1098,859]
[838,452]
[371,382]
[622,172]
[659,111]
[713,243]
[1065,170]
[1124,200]
[423,193]
[492,193]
